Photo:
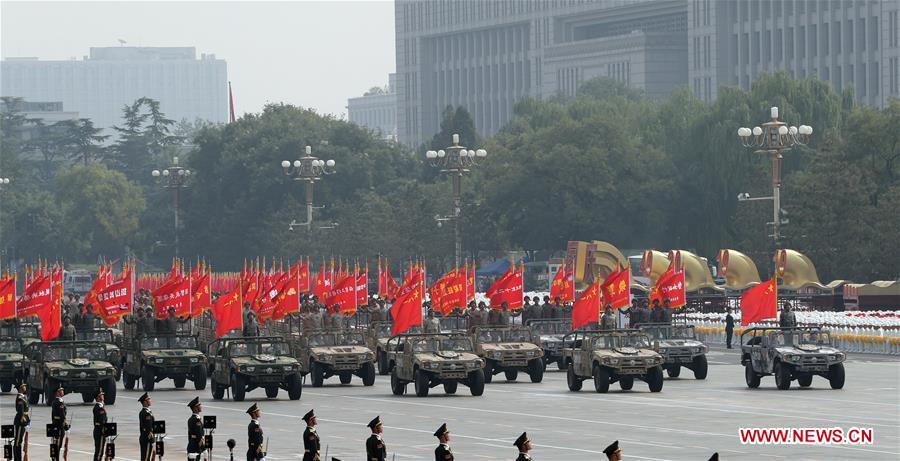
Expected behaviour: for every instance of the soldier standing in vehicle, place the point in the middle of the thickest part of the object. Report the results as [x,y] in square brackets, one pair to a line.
[523,443]
[21,422]
[145,423]
[787,319]
[666,312]
[432,325]
[613,452]
[196,441]
[251,328]
[311,443]
[729,328]
[375,449]
[504,315]
[254,435]
[608,320]
[67,333]
[657,313]
[149,326]
[99,426]
[443,451]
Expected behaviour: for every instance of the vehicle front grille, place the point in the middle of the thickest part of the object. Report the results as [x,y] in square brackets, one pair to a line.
[346,361]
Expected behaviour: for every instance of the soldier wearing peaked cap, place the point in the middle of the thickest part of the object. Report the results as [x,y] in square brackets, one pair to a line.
[612,452]
[375,449]
[254,435]
[99,426]
[145,423]
[714,457]
[196,441]
[58,419]
[21,422]
[310,438]
[443,451]
[523,443]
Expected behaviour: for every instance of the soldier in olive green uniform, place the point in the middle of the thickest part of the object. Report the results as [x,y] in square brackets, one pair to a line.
[196,442]
[99,426]
[443,451]
[21,422]
[145,423]
[375,448]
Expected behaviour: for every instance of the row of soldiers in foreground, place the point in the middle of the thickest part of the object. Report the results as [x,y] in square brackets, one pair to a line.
[376,448]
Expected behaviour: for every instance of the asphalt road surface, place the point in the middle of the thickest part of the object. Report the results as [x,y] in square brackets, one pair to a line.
[688,420]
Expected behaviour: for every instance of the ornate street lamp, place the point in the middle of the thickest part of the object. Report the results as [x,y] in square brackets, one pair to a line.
[773,139]
[455,161]
[173,178]
[307,169]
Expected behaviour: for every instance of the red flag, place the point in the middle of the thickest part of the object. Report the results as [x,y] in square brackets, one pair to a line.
[288,300]
[200,290]
[436,294]
[227,312]
[470,286]
[563,285]
[230,105]
[176,295]
[759,302]
[507,288]
[669,285]
[586,308]
[362,289]
[617,289]
[49,312]
[407,309]
[90,299]
[344,294]
[35,296]
[391,287]
[303,278]
[277,283]
[115,299]
[7,297]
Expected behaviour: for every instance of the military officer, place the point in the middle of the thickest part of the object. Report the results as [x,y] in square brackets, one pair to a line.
[608,320]
[196,442]
[254,435]
[612,452]
[21,422]
[787,319]
[714,457]
[145,423]
[67,333]
[310,438]
[99,426]
[58,419]
[443,451]
[523,443]
[375,449]
[251,327]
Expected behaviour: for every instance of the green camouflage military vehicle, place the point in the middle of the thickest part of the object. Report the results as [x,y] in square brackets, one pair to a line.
[610,356]
[791,353]
[327,353]
[679,346]
[509,350]
[244,364]
[430,360]
[12,363]
[79,366]
[156,357]
[110,340]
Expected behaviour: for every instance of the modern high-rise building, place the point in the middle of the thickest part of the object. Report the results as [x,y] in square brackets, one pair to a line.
[100,85]
[487,55]
[376,110]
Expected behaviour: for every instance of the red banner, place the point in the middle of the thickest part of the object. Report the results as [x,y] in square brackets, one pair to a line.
[563,285]
[227,312]
[759,302]
[115,300]
[36,296]
[508,288]
[7,297]
[90,299]
[470,285]
[176,295]
[407,309]
[303,276]
[586,308]
[617,289]
[344,295]
[670,286]
[362,289]
[201,293]
[49,313]
[288,300]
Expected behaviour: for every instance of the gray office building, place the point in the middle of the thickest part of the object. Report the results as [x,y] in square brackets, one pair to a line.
[487,55]
[376,110]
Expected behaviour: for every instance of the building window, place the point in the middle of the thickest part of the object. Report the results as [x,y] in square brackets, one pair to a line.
[874,76]
[756,46]
[861,30]
[861,80]
[801,42]
[790,43]
[837,36]
[826,44]
[848,34]
[779,45]
[813,41]
[874,34]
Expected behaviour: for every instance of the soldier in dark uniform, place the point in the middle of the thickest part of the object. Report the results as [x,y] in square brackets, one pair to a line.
[21,422]
[612,452]
[149,325]
[99,426]
[87,320]
[67,333]
[310,438]
[58,419]
[145,423]
[714,457]
[196,442]
[375,449]
[787,319]
[251,328]
[443,451]
[254,435]
[656,315]
[523,443]
[729,328]
[666,312]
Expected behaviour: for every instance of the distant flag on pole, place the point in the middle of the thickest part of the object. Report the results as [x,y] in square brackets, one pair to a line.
[230,104]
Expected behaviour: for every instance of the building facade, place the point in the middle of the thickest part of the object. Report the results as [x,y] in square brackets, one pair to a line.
[376,110]
[98,86]
[487,55]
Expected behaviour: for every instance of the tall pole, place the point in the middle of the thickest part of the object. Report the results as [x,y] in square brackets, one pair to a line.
[457,212]
[175,199]
[776,194]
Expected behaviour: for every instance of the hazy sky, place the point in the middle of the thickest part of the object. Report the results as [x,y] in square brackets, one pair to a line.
[309,53]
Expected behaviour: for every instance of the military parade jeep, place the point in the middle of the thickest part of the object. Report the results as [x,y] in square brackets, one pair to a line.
[12,363]
[154,358]
[244,364]
[28,332]
[550,332]
[508,350]
[608,356]
[324,354]
[110,340]
[791,353]
[429,360]
[377,335]
[679,347]
[79,366]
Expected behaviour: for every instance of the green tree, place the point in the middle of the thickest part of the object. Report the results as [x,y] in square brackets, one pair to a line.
[143,137]
[84,141]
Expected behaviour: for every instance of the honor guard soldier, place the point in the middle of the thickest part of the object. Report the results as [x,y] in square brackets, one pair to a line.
[714,457]
[523,443]
[21,422]
[196,441]
[99,426]
[58,420]
[375,449]
[254,435]
[310,438]
[145,423]
[443,452]
[612,452]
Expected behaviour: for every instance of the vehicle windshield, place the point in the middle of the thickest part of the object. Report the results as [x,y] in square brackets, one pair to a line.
[238,349]
[22,331]
[504,335]
[550,328]
[452,323]
[91,352]
[336,339]
[796,338]
[103,336]
[669,331]
[382,330]
[169,342]
[638,341]
[10,345]
[442,344]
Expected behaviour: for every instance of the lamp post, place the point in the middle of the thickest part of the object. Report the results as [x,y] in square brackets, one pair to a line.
[455,161]
[173,178]
[3,183]
[308,170]
[773,139]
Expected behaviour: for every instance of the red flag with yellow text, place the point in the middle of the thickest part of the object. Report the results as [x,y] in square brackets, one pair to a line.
[586,308]
[759,302]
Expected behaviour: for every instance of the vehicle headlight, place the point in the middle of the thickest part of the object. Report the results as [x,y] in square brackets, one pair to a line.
[64,373]
[475,364]
[531,354]
[839,356]
[497,354]
[158,360]
[611,360]
[250,369]
[195,360]
[101,372]
[362,356]
[288,367]
[432,365]
[17,364]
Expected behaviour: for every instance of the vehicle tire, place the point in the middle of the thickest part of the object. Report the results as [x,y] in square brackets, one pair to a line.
[488,371]
[128,380]
[383,363]
[199,376]
[6,387]
[34,396]
[654,378]
[345,377]
[511,375]
[117,374]
[805,381]
[86,397]
[109,389]
[317,374]
[421,383]
[294,386]
[750,376]
[783,375]
[626,383]
[397,388]
[218,392]
[673,371]
[450,387]
[701,367]
[573,381]
[238,388]
[368,374]
[476,382]
[148,379]
[271,392]
[179,382]
[601,379]
[836,376]
[561,364]
[536,370]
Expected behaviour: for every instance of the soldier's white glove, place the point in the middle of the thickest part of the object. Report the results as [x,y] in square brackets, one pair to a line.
[27,428]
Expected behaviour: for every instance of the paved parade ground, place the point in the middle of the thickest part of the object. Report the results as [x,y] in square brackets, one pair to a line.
[688,420]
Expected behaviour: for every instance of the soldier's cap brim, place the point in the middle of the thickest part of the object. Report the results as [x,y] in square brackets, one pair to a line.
[441,430]
[144,397]
[309,415]
[714,457]
[612,448]
[374,423]
[253,408]
[520,442]
[194,403]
